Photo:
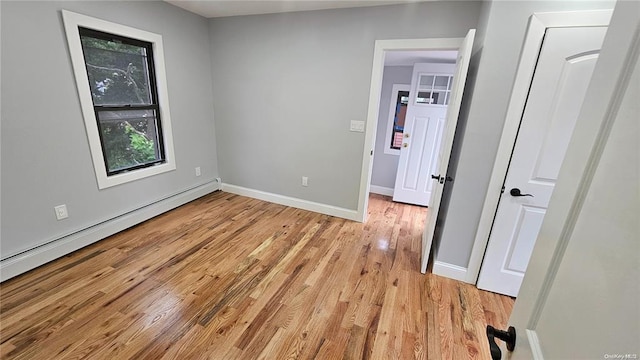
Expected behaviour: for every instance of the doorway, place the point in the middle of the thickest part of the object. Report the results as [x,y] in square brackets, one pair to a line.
[464,47]
[405,148]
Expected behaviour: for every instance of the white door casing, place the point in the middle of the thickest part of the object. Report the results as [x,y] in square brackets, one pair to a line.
[538,25]
[453,110]
[582,276]
[422,135]
[565,65]
[382,46]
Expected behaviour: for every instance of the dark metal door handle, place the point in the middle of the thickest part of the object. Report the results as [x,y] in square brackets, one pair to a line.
[509,337]
[516,192]
[441,179]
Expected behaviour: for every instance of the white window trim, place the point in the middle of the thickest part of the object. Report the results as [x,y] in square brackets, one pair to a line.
[392,113]
[71,23]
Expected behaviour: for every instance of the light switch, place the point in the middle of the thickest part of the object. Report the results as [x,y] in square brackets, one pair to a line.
[357,126]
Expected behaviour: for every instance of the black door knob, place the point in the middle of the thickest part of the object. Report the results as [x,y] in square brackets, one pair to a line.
[509,337]
[516,192]
[441,179]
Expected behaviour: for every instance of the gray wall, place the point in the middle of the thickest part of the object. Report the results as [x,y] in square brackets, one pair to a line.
[45,153]
[483,121]
[285,87]
[385,166]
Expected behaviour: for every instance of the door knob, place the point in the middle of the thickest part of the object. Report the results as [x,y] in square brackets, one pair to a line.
[441,179]
[435,177]
[516,192]
[509,337]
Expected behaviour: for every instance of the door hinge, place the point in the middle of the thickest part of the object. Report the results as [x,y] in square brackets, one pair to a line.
[502,190]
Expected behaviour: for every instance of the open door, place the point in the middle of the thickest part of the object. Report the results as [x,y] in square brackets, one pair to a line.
[582,279]
[439,178]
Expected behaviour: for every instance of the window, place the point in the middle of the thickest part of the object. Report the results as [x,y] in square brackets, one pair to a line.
[397,112]
[434,89]
[400,113]
[122,83]
[122,88]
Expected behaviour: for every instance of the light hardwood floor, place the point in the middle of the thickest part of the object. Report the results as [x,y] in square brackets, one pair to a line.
[228,277]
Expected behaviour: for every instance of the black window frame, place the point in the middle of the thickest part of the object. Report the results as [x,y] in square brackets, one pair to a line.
[395,128]
[153,92]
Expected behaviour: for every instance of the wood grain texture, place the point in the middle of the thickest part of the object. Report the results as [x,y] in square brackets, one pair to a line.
[228,277]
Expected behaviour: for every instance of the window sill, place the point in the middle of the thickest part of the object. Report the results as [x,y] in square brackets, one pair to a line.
[118,179]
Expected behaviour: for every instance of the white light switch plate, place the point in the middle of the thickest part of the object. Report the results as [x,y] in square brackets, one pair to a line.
[357,126]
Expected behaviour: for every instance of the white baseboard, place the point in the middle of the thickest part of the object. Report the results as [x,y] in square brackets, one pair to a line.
[293,202]
[41,255]
[381,190]
[449,270]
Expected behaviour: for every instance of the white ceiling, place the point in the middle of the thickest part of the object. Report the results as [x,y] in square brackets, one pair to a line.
[401,58]
[221,8]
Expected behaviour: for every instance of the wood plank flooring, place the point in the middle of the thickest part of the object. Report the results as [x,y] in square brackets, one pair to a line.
[228,277]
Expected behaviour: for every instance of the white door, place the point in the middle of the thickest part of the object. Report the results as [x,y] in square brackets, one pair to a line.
[424,123]
[579,298]
[444,151]
[564,68]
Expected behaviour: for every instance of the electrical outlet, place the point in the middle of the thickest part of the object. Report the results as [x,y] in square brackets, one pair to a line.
[198,173]
[61,212]
[305,181]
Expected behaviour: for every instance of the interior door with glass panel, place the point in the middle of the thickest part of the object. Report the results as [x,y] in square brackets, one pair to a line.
[422,133]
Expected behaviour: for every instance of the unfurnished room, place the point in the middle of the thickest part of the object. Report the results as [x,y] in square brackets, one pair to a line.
[301,179]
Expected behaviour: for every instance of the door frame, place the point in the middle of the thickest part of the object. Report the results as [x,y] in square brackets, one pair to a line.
[382,46]
[538,25]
